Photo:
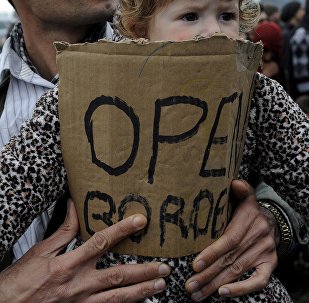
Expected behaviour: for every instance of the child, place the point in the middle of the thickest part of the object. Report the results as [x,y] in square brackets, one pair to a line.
[276,149]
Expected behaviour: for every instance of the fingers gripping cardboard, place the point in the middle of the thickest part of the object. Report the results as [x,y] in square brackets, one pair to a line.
[158,129]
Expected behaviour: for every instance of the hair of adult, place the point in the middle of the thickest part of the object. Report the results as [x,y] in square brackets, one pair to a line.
[133,13]
[290,10]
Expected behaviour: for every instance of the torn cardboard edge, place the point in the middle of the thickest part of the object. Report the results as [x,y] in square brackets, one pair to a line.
[216,38]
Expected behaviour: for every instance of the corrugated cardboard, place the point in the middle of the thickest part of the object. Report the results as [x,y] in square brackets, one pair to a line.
[155,128]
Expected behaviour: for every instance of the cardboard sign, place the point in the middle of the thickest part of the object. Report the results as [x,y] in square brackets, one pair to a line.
[158,129]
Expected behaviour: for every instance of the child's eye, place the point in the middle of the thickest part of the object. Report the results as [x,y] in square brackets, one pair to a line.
[228,16]
[190,17]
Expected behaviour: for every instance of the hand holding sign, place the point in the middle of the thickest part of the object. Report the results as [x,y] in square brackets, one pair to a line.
[245,244]
[73,277]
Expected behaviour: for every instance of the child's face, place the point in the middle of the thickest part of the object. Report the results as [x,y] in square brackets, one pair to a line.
[185,19]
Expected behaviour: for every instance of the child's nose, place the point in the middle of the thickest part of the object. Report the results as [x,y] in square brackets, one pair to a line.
[210,27]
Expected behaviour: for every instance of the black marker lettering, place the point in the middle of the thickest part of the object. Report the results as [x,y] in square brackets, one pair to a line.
[234,149]
[157,138]
[94,105]
[105,217]
[205,194]
[175,218]
[218,211]
[215,140]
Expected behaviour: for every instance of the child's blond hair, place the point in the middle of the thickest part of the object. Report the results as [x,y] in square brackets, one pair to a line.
[132,13]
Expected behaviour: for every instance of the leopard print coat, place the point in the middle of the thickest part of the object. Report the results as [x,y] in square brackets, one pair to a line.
[32,175]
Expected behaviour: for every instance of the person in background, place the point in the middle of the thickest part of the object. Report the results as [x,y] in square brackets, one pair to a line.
[270,34]
[291,16]
[263,16]
[272,12]
[298,58]
[31,44]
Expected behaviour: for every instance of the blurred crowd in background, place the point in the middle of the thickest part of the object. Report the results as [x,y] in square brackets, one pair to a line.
[284,33]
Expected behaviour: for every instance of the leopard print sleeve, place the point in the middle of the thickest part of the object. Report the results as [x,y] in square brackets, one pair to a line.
[32,174]
[277,146]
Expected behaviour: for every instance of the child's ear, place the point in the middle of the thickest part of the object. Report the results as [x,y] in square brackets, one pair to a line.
[140,31]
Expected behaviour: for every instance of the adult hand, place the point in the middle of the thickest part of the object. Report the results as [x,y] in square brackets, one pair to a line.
[43,275]
[248,242]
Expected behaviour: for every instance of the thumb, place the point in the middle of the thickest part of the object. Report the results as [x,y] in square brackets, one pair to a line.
[242,190]
[53,245]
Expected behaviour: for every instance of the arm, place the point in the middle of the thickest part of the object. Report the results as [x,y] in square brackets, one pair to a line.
[251,237]
[298,228]
[279,132]
[72,277]
[32,174]
[281,158]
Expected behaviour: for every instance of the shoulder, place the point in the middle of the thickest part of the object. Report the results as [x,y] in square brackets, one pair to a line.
[51,95]
[46,109]
[268,91]
[49,101]
[271,104]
